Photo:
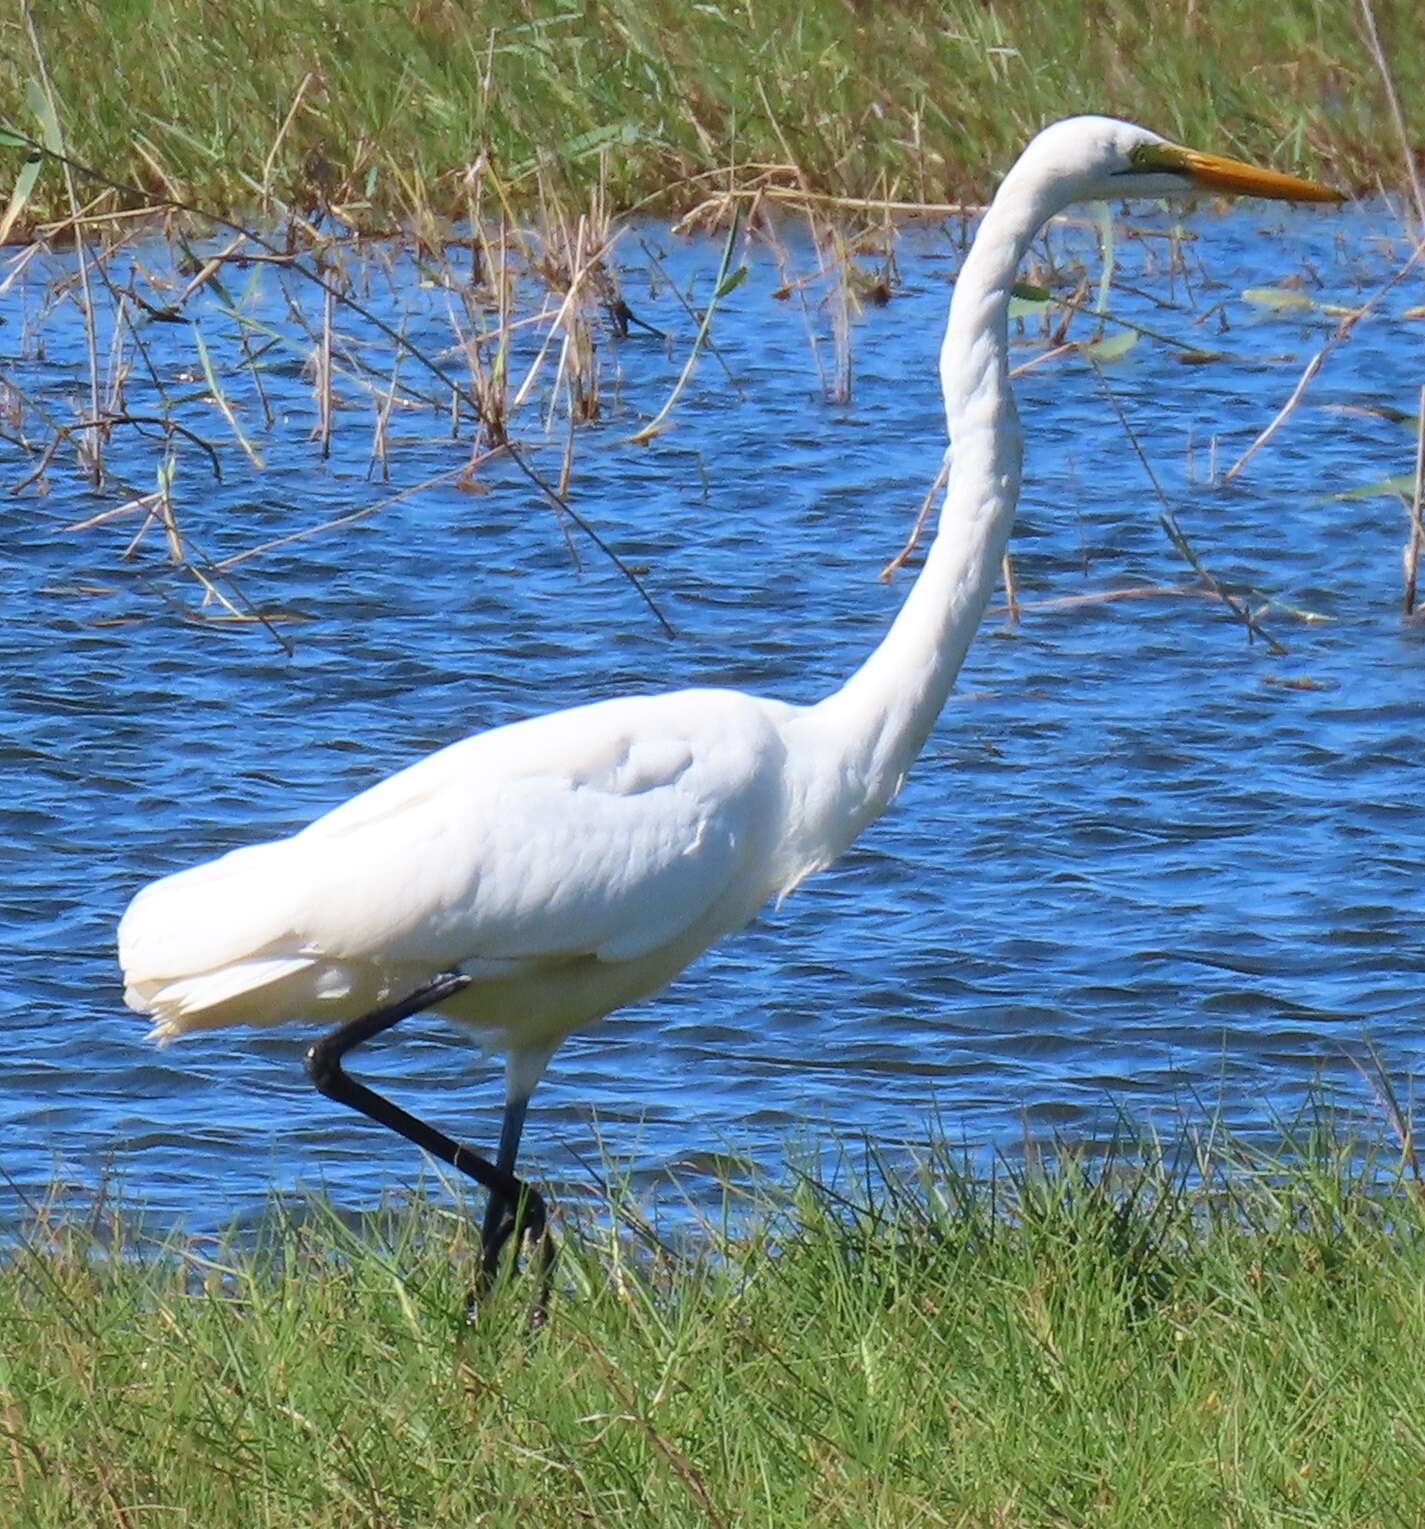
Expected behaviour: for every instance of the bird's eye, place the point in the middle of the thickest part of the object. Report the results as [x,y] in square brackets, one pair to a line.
[1141,157]
[1155,158]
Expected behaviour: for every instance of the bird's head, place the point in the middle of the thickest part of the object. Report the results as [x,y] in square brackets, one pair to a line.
[1100,159]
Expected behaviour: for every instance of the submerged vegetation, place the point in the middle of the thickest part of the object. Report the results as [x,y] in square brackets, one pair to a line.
[379,109]
[1115,1340]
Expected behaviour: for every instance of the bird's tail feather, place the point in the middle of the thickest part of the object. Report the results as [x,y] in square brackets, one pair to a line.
[221,944]
[242,992]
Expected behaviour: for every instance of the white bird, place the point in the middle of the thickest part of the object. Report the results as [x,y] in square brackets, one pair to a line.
[527,881]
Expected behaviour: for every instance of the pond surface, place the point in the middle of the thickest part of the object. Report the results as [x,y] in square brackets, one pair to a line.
[1144,864]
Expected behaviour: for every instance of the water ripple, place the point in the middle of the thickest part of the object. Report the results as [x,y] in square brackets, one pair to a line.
[1142,865]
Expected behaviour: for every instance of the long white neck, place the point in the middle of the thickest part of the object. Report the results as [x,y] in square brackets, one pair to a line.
[868,733]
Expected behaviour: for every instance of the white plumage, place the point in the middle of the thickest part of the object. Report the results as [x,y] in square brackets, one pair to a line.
[572,863]
[567,864]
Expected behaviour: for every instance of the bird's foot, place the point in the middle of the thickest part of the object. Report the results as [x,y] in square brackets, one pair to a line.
[534,1240]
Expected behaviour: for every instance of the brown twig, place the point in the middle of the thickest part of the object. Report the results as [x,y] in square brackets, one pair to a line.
[1343,330]
[1168,520]
[911,541]
[106,421]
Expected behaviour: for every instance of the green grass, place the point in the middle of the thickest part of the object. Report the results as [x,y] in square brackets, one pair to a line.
[387,102]
[1116,1344]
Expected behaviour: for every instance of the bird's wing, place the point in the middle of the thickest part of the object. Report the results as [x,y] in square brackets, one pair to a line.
[606,831]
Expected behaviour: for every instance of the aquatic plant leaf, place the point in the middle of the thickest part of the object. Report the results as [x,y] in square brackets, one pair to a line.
[1398,483]
[1112,347]
[583,144]
[1406,418]
[24,184]
[1288,297]
[221,399]
[1026,298]
[1277,297]
[184,136]
[656,425]
[43,108]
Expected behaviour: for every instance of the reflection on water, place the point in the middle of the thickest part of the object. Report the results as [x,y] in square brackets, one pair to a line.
[1142,863]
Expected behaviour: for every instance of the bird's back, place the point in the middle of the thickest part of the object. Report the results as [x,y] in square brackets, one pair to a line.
[606,834]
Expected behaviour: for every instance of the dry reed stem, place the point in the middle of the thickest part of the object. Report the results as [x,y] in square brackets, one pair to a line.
[1412,551]
[51,232]
[117,370]
[1407,154]
[1011,593]
[448,475]
[208,270]
[1112,596]
[843,305]
[143,502]
[566,468]
[324,380]
[18,264]
[167,512]
[903,556]
[383,417]
[282,132]
[1285,412]
[1343,331]
[720,286]
[132,545]
[794,286]
[566,343]
[1052,354]
[220,398]
[96,460]
[580,273]
[714,210]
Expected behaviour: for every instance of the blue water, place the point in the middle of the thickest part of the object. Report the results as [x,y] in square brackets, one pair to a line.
[1144,864]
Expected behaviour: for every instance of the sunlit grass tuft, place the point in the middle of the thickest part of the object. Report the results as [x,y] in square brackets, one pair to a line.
[380,109]
[1118,1338]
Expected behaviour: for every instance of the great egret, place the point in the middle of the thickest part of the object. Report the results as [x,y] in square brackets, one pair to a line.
[529,880]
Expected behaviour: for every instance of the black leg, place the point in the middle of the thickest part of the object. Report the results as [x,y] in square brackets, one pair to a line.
[529,1217]
[499,1220]
[516,1218]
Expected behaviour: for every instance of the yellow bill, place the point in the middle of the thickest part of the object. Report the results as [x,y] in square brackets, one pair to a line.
[1213,172]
